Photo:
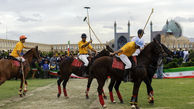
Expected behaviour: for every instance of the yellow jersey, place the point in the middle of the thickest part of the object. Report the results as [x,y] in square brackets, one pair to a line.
[128,49]
[83,50]
[19,47]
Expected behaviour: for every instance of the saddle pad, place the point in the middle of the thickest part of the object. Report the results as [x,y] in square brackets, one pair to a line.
[77,63]
[15,63]
[117,64]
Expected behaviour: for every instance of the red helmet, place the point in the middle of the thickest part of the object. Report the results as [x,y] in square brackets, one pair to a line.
[23,37]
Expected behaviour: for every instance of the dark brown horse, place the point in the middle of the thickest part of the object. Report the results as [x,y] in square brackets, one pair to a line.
[66,69]
[102,68]
[10,68]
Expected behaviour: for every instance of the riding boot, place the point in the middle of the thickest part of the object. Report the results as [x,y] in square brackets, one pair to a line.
[125,76]
[129,76]
[84,71]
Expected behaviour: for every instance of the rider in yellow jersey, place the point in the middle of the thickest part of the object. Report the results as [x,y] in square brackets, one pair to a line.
[84,46]
[16,53]
[126,51]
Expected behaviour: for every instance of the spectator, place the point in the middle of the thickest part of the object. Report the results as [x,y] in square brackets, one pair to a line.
[185,55]
[45,69]
[159,70]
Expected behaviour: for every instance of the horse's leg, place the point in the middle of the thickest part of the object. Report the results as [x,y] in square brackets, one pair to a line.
[134,98]
[25,88]
[104,95]
[101,82]
[88,86]
[21,87]
[2,80]
[150,91]
[110,87]
[117,90]
[64,86]
[59,86]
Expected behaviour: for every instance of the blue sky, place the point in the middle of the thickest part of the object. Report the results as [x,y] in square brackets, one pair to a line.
[57,21]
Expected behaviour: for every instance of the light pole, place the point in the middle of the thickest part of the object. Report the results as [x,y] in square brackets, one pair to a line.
[87,8]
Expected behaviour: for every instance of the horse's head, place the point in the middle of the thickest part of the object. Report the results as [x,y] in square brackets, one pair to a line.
[158,49]
[36,53]
[169,52]
[105,52]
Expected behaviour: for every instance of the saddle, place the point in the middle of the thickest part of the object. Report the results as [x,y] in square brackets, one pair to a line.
[14,61]
[118,64]
[78,63]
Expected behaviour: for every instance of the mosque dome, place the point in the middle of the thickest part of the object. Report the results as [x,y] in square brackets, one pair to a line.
[172,27]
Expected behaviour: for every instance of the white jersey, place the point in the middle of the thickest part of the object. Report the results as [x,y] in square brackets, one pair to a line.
[137,52]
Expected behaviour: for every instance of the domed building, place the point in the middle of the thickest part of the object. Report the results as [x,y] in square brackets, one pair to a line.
[171,36]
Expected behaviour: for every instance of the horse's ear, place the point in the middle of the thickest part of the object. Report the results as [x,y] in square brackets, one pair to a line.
[156,41]
[109,49]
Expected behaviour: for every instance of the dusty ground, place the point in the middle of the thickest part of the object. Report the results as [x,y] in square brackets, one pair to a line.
[46,98]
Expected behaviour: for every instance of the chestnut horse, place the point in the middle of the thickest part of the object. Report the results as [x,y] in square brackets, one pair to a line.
[66,69]
[10,68]
[102,68]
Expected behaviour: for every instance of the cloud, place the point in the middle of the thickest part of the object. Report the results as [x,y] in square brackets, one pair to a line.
[111,27]
[183,19]
[27,19]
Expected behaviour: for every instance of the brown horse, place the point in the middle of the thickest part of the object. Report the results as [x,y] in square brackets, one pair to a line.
[66,69]
[10,68]
[102,68]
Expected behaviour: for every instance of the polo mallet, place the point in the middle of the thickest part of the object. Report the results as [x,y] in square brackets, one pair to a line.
[85,20]
[87,8]
[148,19]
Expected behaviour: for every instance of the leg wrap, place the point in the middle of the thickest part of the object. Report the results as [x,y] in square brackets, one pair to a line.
[59,89]
[101,100]
[111,96]
[133,100]
[119,96]
[65,92]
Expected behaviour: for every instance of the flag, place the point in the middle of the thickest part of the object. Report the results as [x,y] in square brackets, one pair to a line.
[68,48]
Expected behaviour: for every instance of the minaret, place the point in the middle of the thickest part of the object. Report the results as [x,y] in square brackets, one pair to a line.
[129,30]
[115,29]
[115,35]
[151,30]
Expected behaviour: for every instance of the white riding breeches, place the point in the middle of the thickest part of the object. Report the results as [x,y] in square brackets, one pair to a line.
[84,59]
[125,60]
[136,53]
[20,59]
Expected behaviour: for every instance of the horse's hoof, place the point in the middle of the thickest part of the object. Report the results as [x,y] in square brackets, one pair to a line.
[66,97]
[20,95]
[114,102]
[104,107]
[105,97]
[87,97]
[121,102]
[151,102]
[58,95]
[133,107]
[24,93]
[137,107]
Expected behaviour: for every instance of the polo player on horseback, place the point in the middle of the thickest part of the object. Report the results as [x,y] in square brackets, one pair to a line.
[83,52]
[140,33]
[126,51]
[16,53]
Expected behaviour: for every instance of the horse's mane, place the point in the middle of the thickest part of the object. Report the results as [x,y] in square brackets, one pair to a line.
[149,49]
[146,48]
[28,52]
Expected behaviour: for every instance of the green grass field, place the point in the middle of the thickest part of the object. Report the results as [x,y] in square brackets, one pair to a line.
[10,88]
[168,93]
